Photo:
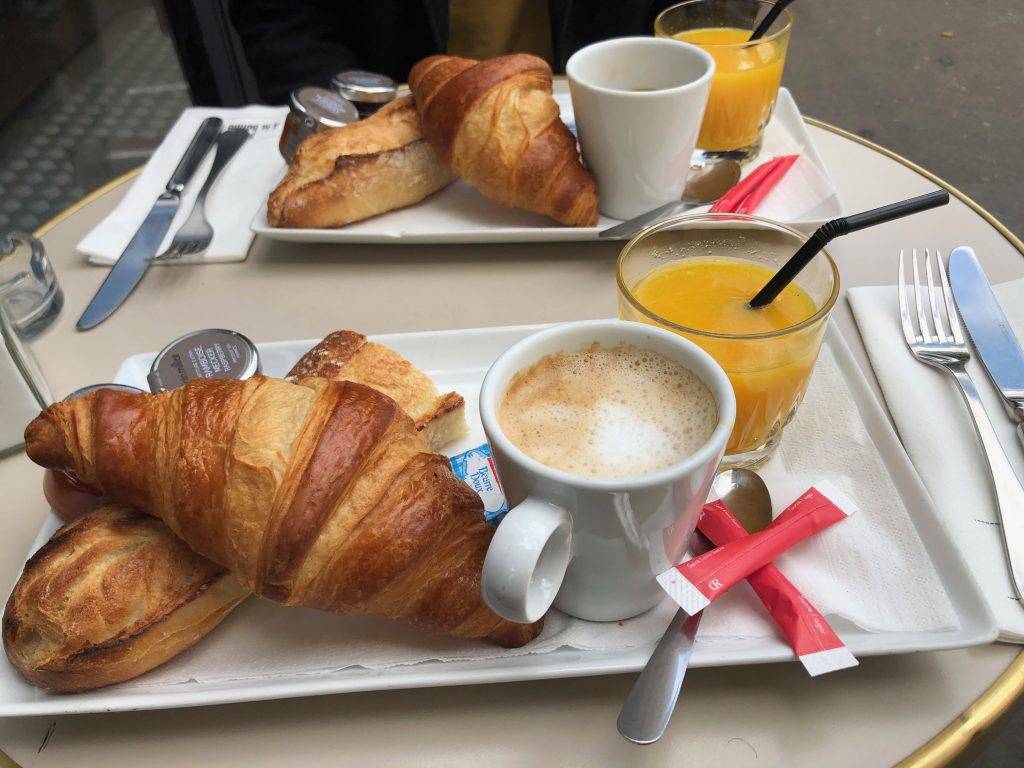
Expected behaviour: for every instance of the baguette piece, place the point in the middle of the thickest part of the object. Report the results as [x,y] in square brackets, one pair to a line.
[348,356]
[111,595]
[348,174]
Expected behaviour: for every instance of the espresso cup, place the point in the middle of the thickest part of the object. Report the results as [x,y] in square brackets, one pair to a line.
[592,546]
[638,104]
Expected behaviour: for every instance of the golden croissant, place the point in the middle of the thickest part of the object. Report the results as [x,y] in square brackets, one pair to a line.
[495,123]
[316,493]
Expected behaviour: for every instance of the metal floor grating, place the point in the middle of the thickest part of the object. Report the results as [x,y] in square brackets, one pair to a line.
[100,116]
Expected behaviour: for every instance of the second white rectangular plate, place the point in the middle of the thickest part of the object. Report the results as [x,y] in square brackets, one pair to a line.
[460,214]
[457,360]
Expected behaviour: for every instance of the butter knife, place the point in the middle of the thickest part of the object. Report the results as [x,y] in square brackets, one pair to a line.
[990,331]
[134,260]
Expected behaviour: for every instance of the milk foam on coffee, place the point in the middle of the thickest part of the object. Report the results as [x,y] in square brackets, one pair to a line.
[607,411]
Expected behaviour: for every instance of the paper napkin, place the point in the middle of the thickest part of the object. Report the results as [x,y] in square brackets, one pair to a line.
[240,190]
[939,436]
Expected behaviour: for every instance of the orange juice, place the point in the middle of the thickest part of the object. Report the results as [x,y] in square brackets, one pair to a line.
[769,371]
[743,89]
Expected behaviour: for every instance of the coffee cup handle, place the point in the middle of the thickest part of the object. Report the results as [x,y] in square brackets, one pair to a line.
[526,561]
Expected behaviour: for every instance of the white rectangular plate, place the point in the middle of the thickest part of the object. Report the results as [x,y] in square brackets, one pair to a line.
[460,214]
[458,360]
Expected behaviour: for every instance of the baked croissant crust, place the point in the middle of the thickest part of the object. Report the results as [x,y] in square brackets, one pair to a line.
[110,596]
[495,123]
[315,493]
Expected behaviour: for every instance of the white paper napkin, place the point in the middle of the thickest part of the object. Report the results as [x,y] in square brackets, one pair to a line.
[939,436]
[846,571]
[240,190]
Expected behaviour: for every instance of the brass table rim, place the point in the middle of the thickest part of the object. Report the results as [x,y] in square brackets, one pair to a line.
[996,701]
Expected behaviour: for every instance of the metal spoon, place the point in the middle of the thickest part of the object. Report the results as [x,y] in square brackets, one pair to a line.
[651,701]
[705,185]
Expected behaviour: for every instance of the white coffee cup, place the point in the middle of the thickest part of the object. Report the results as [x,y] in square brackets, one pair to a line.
[639,143]
[593,546]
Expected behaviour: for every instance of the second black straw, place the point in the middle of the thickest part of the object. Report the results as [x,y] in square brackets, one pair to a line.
[830,230]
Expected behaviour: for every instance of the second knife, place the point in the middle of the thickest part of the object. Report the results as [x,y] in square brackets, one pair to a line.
[134,260]
[990,331]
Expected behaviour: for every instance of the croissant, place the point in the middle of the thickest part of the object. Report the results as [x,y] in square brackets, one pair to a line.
[496,125]
[316,493]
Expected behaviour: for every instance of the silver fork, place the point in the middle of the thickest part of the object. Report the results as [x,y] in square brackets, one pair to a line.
[195,234]
[941,344]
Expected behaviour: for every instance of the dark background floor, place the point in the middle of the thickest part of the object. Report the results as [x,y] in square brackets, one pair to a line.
[939,81]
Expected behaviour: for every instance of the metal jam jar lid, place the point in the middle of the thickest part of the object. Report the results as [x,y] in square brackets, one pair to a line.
[312,109]
[93,387]
[213,353]
[367,90]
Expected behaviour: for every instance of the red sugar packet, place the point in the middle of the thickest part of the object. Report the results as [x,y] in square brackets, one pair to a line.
[698,581]
[808,632]
[757,195]
[757,184]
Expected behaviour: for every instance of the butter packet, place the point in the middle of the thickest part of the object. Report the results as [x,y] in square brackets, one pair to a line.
[476,468]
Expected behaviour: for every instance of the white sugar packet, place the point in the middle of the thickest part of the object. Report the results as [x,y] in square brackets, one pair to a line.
[240,190]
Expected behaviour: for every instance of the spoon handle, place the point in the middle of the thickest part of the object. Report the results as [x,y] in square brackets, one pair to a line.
[630,227]
[652,700]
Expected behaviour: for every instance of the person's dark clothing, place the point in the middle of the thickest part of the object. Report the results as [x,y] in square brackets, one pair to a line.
[289,43]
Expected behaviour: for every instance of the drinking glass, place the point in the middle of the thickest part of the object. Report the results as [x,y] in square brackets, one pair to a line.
[769,371]
[747,74]
[30,295]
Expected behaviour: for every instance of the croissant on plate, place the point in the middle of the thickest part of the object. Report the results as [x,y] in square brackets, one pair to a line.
[315,493]
[115,593]
[495,123]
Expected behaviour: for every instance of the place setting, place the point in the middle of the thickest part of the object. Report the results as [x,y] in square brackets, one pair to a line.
[700,474]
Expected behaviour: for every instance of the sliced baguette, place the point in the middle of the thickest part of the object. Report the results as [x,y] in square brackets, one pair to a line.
[111,595]
[349,356]
[358,171]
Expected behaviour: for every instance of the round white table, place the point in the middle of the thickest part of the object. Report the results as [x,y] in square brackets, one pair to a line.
[922,709]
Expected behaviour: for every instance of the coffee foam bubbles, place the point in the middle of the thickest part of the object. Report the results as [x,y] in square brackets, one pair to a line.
[607,411]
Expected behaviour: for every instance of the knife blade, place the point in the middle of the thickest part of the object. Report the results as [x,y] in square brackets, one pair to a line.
[134,260]
[990,331]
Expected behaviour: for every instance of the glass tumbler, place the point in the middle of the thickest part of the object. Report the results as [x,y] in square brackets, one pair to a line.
[30,295]
[747,74]
[769,370]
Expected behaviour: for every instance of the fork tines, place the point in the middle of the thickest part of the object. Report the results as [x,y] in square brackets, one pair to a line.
[944,328]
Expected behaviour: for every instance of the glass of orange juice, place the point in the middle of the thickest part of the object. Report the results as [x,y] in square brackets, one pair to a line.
[747,74]
[694,274]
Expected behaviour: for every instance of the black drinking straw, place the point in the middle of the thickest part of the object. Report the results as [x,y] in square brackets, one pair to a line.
[769,19]
[830,230]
